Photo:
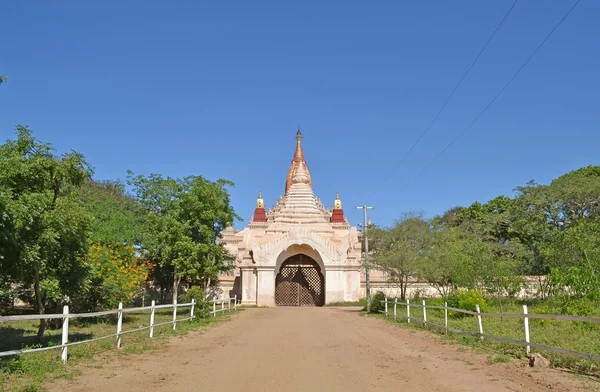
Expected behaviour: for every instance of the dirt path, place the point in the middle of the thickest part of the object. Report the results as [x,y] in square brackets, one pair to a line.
[313,349]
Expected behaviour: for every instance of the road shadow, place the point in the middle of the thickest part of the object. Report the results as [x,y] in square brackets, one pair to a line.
[347,309]
[19,338]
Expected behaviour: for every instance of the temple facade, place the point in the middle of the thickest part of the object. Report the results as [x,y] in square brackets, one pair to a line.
[297,253]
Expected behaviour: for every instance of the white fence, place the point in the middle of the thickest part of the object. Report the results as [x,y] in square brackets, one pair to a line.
[525,316]
[66,316]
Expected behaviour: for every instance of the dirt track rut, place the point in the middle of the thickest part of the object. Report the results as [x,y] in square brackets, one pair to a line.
[313,349]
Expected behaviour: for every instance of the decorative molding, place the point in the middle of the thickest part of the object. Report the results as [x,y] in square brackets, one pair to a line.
[267,253]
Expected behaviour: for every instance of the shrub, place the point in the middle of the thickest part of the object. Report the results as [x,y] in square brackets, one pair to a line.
[542,309]
[377,305]
[580,307]
[196,293]
[467,300]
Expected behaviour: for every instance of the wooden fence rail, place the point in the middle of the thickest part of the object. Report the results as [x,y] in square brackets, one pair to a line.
[66,316]
[525,316]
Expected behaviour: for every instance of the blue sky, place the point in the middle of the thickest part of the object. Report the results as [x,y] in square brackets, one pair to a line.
[218,88]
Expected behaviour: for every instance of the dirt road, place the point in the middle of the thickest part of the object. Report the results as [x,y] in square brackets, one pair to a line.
[313,349]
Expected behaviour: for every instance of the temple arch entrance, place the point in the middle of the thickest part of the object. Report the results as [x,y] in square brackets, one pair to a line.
[300,282]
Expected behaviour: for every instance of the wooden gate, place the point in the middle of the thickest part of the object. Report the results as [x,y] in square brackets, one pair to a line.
[300,283]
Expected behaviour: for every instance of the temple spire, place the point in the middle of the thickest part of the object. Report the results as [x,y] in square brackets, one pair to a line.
[298,155]
[298,158]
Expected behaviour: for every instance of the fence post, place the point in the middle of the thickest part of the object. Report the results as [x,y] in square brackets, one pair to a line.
[408,310]
[386,313]
[119,324]
[65,333]
[175,313]
[222,304]
[446,316]
[214,308]
[424,313]
[526,323]
[229,305]
[395,303]
[235,302]
[479,321]
[192,310]
[152,319]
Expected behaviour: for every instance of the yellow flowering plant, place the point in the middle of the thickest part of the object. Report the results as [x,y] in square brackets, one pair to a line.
[116,274]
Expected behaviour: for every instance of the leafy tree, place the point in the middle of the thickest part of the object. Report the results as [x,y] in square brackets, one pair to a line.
[115,275]
[574,245]
[44,228]
[451,218]
[546,230]
[398,249]
[116,217]
[573,256]
[3,79]
[185,218]
[543,212]
[453,260]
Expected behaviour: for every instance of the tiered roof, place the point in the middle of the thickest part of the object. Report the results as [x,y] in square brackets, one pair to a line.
[299,205]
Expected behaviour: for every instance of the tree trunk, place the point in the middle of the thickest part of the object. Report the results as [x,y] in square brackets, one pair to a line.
[541,287]
[39,302]
[402,288]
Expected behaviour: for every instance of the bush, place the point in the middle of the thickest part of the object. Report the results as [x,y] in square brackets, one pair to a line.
[467,300]
[196,293]
[580,307]
[377,305]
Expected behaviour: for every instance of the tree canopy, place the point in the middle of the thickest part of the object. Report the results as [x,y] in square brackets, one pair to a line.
[45,228]
[68,239]
[184,220]
[551,231]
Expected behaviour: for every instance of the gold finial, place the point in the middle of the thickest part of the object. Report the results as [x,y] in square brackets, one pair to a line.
[260,203]
[337,204]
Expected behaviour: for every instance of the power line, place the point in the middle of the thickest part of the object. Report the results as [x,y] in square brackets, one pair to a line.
[449,96]
[493,99]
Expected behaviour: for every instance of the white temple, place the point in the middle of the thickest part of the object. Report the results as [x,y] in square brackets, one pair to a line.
[296,254]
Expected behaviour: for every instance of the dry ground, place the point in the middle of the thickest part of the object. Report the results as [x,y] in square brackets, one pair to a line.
[314,349]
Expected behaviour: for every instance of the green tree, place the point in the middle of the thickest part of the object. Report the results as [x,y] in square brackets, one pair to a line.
[543,212]
[451,218]
[397,250]
[45,228]
[3,79]
[185,218]
[116,216]
[116,271]
[453,260]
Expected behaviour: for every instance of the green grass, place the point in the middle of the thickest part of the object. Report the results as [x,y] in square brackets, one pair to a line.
[360,302]
[498,358]
[570,335]
[28,372]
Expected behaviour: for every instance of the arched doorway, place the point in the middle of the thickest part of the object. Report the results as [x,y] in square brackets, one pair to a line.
[300,282]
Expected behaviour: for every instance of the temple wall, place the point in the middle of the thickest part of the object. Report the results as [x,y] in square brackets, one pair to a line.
[424,289]
[352,289]
[266,287]
[334,286]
